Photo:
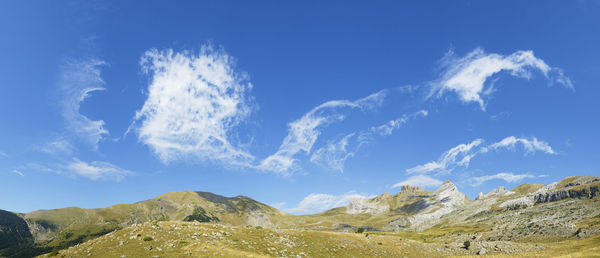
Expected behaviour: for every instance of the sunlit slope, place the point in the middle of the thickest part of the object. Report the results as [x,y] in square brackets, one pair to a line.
[60,228]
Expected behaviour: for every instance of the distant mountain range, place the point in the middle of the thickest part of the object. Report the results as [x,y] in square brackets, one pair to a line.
[566,209]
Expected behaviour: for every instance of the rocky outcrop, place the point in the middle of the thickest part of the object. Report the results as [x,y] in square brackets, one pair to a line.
[366,206]
[411,189]
[444,200]
[586,192]
[479,196]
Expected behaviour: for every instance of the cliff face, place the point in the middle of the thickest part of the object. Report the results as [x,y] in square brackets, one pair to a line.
[579,192]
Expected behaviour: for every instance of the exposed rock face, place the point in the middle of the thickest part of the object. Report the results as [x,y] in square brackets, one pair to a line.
[366,206]
[528,199]
[444,200]
[585,187]
[580,193]
[410,189]
[498,192]
[479,196]
[258,218]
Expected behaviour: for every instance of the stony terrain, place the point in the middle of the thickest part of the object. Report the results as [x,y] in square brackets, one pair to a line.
[163,239]
[531,219]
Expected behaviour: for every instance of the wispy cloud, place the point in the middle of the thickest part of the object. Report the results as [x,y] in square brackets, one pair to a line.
[467,75]
[461,155]
[318,202]
[335,153]
[500,116]
[78,79]
[95,170]
[2,154]
[508,177]
[17,172]
[530,145]
[195,101]
[303,133]
[389,127]
[419,180]
[58,146]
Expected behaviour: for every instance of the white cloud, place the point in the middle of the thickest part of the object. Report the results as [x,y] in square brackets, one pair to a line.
[508,177]
[530,145]
[78,80]
[419,180]
[59,145]
[303,133]
[460,155]
[335,154]
[500,116]
[195,101]
[318,202]
[17,172]
[389,127]
[95,170]
[467,75]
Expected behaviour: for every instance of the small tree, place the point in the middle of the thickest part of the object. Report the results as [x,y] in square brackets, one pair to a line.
[467,244]
[360,230]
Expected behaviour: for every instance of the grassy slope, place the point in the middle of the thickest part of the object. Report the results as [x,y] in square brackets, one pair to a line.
[77,225]
[169,239]
[61,228]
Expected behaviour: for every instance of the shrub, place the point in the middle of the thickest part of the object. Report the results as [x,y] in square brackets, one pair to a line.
[467,244]
[360,230]
[258,227]
[148,238]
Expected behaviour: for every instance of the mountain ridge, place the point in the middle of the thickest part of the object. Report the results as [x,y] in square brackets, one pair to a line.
[500,214]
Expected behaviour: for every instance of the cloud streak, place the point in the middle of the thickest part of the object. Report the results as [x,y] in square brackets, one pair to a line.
[95,170]
[195,101]
[14,171]
[466,76]
[78,79]
[335,153]
[303,132]
[318,202]
[461,155]
[508,177]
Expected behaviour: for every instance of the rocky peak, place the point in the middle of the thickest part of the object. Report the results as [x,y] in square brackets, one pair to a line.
[479,196]
[447,186]
[410,189]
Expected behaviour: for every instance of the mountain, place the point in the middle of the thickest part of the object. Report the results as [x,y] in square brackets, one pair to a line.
[45,230]
[500,221]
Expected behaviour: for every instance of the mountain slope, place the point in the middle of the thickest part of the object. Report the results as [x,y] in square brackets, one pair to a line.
[61,228]
[564,210]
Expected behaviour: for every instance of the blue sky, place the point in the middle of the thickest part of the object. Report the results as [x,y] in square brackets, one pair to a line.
[302,105]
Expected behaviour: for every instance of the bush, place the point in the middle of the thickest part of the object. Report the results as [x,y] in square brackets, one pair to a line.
[148,239]
[360,230]
[467,244]
[258,227]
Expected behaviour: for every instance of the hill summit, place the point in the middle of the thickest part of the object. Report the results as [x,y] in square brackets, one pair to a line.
[566,210]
